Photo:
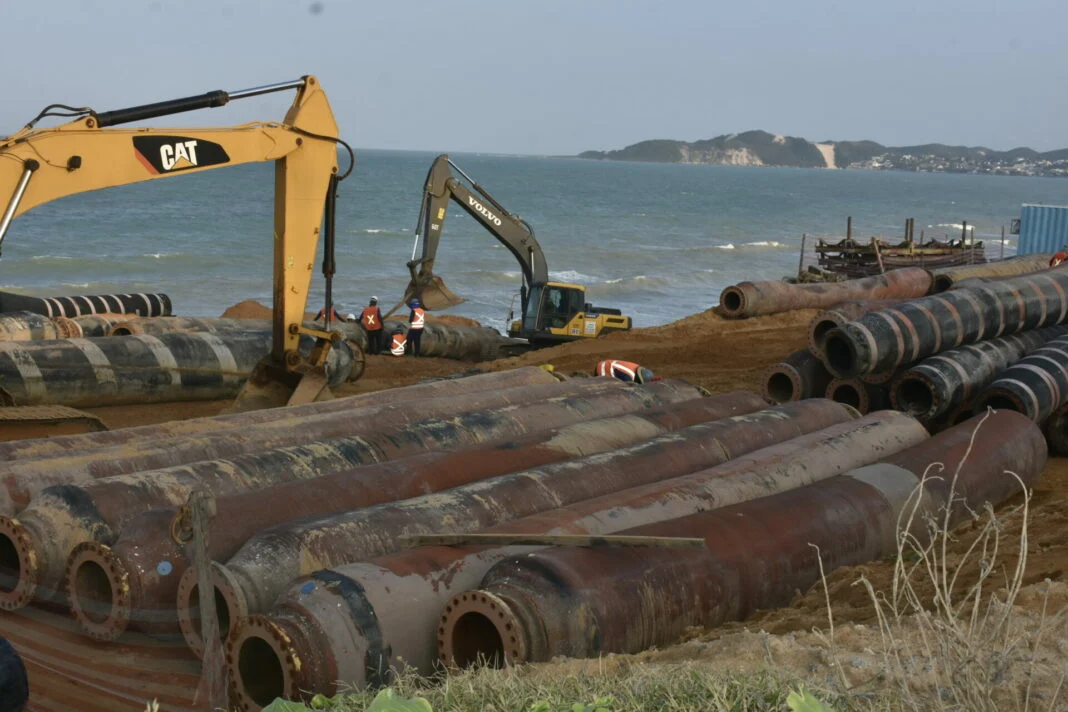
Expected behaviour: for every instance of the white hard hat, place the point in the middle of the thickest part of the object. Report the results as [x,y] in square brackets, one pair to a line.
[350,317]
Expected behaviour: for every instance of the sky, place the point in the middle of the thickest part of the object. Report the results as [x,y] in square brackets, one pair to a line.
[558,77]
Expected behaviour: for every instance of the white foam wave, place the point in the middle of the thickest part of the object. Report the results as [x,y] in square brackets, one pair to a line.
[45,258]
[766,243]
[570,275]
[728,246]
[76,285]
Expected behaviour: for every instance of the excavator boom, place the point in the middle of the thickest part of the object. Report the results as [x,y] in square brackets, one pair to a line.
[95,151]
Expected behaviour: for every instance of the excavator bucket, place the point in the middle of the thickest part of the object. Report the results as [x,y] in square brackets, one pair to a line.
[432,294]
[271,385]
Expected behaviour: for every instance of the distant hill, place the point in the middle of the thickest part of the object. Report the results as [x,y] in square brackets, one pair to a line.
[760,148]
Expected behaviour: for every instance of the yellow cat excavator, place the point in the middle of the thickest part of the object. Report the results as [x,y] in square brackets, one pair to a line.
[551,312]
[89,153]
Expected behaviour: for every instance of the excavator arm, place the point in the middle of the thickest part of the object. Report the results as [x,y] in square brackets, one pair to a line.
[510,230]
[91,152]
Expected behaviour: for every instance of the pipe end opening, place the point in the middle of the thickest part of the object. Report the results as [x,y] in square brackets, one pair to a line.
[840,352]
[781,387]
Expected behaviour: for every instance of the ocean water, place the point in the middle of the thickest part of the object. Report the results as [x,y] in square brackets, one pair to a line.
[658,241]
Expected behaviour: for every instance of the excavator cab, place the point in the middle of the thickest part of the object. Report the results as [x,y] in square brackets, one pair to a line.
[557,312]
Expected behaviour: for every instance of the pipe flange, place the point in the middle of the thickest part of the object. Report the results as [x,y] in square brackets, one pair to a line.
[67,328]
[225,586]
[100,617]
[17,587]
[262,629]
[492,609]
[190,631]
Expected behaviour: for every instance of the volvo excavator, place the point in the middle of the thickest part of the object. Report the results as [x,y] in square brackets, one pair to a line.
[550,312]
[97,150]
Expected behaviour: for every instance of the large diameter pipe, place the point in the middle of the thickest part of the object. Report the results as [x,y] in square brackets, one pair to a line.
[586,602]
[946,277]
[353,622]
[944,381]
[254,577]
[20,481]
[749,299]
[81,305]
[894,337]
[1036,385]
[478,383]
[132,564]
[800,375]
[141,369]
[865,397]
[839,314]
[64,516]
[1057,431]
[95,325]
[28,326]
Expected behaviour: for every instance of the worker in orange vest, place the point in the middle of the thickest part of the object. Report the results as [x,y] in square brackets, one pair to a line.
[1059,257]
[334,316]
[416,322]
[371,321]
[399,342]
[625,371]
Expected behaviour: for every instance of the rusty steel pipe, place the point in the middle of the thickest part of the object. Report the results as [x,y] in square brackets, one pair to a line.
[96,325]
[946,278]
[941,382]
[1057,431]
[132,564]
[890,338]
[252,579]
[28,326]
[20,481]
[141,369]
[586,602]
[353,622]
[865,397]
[61,517]
[801,375]
[839,314]
[1036,385]
[479,383]
[749,299]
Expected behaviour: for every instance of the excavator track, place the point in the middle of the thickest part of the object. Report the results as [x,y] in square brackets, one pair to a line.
[45,421]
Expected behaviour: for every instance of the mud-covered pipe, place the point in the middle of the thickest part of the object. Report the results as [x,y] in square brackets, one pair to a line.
[80,305]
[63,516]
[898,336]
[1036,385]
[749,299]
[253,578]
[865,397]
[70,444]
[336,481]
[352,622]
[944,381]
[94,325]
[28,326]
[839,314]
[586,602]
[124,370]
[945,278]
[801,375]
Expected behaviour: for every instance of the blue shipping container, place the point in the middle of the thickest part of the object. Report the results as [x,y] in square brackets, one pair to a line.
[1043,228]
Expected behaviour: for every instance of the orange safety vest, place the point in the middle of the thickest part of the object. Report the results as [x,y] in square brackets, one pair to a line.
[399,341]
[623,370]
[418,318]
[371,318]
[1058,258]
[334,316]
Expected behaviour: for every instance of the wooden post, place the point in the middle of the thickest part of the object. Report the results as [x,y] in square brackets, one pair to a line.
[878,255]
[1002,243]
[921,237]
[963,232]
[849,227]
[801,261]
[213,684]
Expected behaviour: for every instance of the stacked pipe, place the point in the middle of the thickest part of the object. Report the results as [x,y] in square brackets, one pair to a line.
[352,622]
[80,444]
[945,381]
[947,277]
[80,305]
[141,369]
[130,564]
[584,603]
[63,516]
[839,314]
[465,343]
[801,375]
[749,299]
[28,326]
[1036,385]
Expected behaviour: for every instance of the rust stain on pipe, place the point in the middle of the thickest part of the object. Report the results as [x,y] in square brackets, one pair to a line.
[63,516]
[749,299]
[586,602]
[480,383]
[352,622]
[134,562]
[947,277]
[22,480]
[801,375]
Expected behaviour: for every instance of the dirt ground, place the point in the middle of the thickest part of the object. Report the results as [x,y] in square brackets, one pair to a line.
[723,355]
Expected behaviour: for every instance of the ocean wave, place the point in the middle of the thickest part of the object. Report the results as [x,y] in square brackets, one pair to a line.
[49,258]
[765,243]
[728,246]
[570,275]
[380,231]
